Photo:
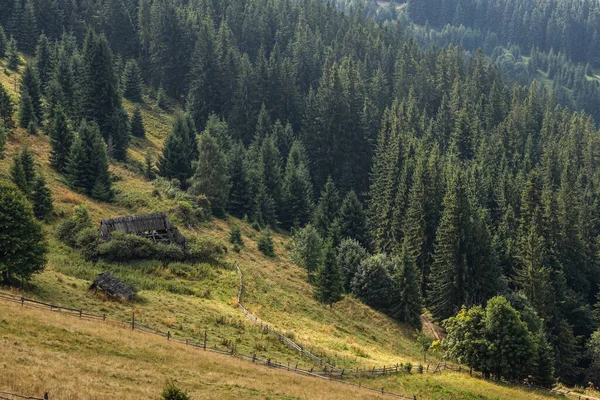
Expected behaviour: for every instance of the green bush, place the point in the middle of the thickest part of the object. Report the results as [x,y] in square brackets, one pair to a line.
[172,392]
[205,250]
[88,241]
[124,247]
[408,367]
[235,237]
[266,246]
[168,252]
[190,213]
[66,232]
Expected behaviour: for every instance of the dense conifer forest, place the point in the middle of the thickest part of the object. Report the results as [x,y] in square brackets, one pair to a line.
[411,172]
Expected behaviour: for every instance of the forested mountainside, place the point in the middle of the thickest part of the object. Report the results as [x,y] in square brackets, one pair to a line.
[345,131]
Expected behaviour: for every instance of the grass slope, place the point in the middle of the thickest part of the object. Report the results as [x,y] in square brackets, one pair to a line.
[188,304]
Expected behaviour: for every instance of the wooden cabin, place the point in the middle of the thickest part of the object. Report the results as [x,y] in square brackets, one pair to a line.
[155,227]
[110,285]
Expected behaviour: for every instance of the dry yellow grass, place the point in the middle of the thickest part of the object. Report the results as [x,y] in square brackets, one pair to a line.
[74,359]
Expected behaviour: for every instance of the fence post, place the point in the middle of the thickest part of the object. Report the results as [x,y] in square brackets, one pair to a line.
[133,321]
[186,342]
[104,317]
[382,391]
[80,314]
[46,396]
[254,357]
[204,340]
[168,335]
[22,301]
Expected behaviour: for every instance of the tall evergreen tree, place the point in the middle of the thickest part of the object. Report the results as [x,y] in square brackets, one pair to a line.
[137,124]
[407,302]
[178,152]
[132,82]
[30,85]
[43,61]
[41,199]
[240,199]
[352,220]
[211,176]
[329,288]
[61,139]
[118,138]
[12,54]
[297,189]
[327,208]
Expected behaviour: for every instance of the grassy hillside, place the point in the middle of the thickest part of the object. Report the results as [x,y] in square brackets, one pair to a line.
[189,299]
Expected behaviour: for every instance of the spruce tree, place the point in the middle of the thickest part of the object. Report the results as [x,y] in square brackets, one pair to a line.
[149,165]
[329,288]
[132,82]
[17,174]
[407,302]
[41,199]
[211,176]
[26,111]
[137,124]
[3,140]
[3,42]
[12,54]
[297,189]
[178,152]
[240,199]
[21,237]
[61,139]
[269,199]
[43,61]
[350,254]
[308,250]
[30,84]
[6,108]
[327,208]
[119,134]
[352,220]
[29,34]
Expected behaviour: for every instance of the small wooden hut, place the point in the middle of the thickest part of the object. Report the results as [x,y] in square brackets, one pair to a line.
[112,286]
[155,227]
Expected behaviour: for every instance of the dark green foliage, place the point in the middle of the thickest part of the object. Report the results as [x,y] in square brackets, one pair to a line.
[269,183]
[172,392]
[12,54]
[352,220]
[373,283]
[68,230]
[3,42]
[407,303]
[22,246]
[350,255]
[327,208]
[3,140]
[329,287]
[137,124]
[266,245]
[22,171]
[6,108]
[31,85]
[593,374]
[118,138]
[149,165]
[61,139]
[308,250]
[235,236]
[41,199]
[43,61]
[179,151]
[211,176]
[26,111]
[297,189]
[132,82]
[240,200]
[87,165]
[31,129]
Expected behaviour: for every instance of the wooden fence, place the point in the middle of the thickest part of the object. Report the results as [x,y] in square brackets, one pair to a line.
[326,374]
[14,396]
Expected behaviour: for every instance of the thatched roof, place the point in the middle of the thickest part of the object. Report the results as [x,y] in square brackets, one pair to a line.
[111,285]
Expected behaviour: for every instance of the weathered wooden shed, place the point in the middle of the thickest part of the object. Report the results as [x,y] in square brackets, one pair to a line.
[112,286]
[155,227]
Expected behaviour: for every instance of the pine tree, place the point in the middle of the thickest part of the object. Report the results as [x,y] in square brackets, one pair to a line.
[149,165]
[26,111]
[6,108]
[12,54]
[132,82]
[100,96]
[3,42]
[17,174]
[41,199]
[269,199]
[329,288]
[137,124]
[29,33]
[3,140]
[352,220]
[30,85]
[43,61]
[211,176]
[87,166]
[307,250]
[447,291]
[119,134]
[178,152]
[21,236]
[297,189]
[61,139]
[327,208]
[407,303]
[350,254]
[240,199]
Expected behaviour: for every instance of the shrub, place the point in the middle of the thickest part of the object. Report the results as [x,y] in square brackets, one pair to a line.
[168,252]
[235,237]
[266,246]
[190,213]
[124,247]
[87,240]
[172,392]
[408,367]
[66,231]
[256,226]
[205,250]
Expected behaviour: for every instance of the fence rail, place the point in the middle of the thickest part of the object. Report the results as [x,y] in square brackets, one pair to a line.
[14,396]
[330,374]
